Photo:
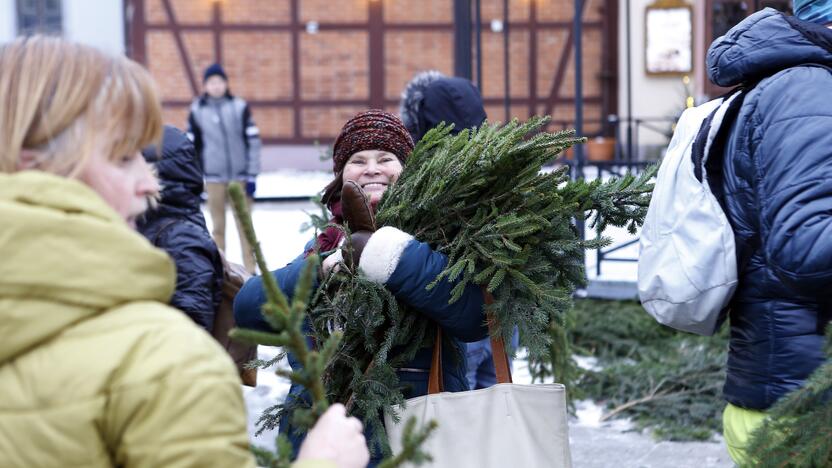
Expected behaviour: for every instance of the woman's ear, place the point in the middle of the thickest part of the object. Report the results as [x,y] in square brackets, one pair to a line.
[28,160]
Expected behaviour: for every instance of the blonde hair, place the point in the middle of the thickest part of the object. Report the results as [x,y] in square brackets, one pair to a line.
[63,100]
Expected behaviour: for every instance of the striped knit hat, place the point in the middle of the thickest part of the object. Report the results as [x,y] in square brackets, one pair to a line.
[371,130]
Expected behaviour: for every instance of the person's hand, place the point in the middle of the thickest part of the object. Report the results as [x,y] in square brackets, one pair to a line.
[251,186]
[358,214]
[337,438]
[331,262]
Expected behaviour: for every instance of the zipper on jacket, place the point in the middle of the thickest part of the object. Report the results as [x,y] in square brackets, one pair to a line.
[225,142]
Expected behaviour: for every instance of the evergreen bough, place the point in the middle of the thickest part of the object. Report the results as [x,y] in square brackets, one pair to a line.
[287,321]
[480,198]
[798,429]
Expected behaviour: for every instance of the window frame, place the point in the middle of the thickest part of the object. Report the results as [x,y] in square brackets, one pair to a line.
[46,21]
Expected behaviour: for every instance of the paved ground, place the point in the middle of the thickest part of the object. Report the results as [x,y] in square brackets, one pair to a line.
[597,447]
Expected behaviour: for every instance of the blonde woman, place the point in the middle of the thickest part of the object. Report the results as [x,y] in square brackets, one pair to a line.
[95,370]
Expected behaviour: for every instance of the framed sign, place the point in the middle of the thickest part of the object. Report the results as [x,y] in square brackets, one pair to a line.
[668,37]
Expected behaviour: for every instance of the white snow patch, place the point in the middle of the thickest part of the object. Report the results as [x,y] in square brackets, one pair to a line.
[278,230]
[292,183]
[589,363]
[271,390]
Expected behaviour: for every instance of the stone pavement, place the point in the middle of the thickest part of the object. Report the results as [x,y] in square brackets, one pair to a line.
[602,447]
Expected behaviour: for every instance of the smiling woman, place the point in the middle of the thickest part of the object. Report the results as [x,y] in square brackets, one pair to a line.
[368,157]
[373,171]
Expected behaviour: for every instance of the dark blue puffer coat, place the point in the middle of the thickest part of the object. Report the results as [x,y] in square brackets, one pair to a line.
[418,265]
[178,227]
[432,98]
[778,195]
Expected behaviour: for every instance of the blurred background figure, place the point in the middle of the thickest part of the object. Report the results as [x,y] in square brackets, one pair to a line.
[177,226]
[206,283]
[228,141]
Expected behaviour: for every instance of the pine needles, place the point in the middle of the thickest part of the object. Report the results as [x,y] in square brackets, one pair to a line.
[798,430]
[666,380]
[480,198]
[287,322]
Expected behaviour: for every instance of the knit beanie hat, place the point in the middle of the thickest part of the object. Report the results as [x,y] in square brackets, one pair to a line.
[814,11]
[371,130]
[214,69]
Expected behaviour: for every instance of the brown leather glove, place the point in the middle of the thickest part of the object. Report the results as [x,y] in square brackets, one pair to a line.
[358,215]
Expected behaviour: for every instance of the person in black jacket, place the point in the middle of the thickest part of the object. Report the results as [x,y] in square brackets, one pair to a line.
[431,98]
[177,226]
[777,188]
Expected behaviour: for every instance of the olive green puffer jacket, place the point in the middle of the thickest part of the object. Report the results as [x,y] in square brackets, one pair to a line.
[95,370]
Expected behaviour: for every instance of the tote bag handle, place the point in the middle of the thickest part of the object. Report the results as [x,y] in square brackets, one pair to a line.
[498,353]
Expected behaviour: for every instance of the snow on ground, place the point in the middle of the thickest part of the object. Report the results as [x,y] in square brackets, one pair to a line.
[593,443]
[292,183]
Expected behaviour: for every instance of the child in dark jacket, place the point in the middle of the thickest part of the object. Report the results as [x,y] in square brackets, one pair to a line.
[177,226]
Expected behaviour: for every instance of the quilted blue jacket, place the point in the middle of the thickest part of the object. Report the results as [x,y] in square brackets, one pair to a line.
[777,183]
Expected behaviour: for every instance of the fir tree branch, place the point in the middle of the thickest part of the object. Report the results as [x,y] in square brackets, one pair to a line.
[287,322]
[798,429]
[238,203]
[412,440]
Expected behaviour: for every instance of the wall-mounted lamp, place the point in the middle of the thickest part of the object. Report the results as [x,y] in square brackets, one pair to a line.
[496,25]
[312,27]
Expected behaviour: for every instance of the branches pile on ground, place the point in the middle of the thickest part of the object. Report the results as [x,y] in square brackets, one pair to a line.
[663,379]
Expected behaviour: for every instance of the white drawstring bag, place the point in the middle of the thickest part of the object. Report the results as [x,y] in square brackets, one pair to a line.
[687,267]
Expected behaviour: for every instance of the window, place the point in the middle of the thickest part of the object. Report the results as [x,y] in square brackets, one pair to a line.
[39,16]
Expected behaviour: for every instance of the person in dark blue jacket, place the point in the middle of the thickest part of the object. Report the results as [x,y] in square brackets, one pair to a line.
[431,98]
[370,151]
[177,226]
[777,189]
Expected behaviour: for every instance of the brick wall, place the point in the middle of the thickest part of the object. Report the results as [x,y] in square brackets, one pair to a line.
[256,37]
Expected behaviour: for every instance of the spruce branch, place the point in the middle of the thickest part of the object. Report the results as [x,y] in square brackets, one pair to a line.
[238,203]
[287,322]
[798,429]
[412,441]
[481,198]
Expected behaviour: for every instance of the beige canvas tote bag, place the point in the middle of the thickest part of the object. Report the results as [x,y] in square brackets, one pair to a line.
[507,425]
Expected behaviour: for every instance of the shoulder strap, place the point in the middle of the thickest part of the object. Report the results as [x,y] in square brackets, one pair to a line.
[498,353]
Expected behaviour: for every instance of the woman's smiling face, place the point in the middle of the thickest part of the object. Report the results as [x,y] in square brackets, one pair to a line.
[374,171]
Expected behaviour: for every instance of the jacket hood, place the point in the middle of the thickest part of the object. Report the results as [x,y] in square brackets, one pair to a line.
[431,98]
[179,170]
[765,43]
[67,257]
